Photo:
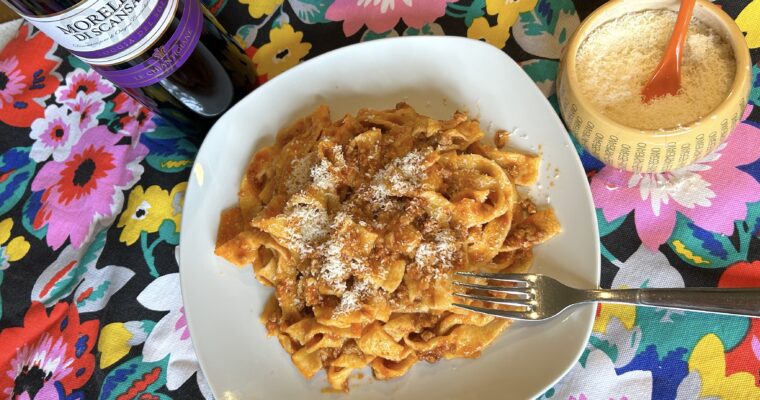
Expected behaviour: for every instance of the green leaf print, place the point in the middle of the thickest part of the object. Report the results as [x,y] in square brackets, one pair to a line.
[600,344]
[132,374]
[168,232]
[543,72]
[754,94]
[29,212]
[752,220]
[669,329]
[605,227]
[77,63]
[310,11]
[16,171]
[426,30]
[475,10]
[545,30]
[369,35]
[170,151]
[108,114]
[705,249]
[68,271]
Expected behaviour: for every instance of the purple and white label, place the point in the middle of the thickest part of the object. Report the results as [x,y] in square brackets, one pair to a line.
[152,20]
[106,32]
[166,58]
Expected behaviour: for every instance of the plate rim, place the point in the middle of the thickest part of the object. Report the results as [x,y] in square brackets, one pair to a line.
[400,41]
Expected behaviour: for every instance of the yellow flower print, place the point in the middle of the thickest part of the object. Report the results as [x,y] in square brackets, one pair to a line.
[625,313]
[113,343]
[117,338]
[747,21]
[283,51]
[496,35]
[177,197]
[506,12]
[145,211]
[709,360]
[260,8]
[14,250]
[509,9]
[149,211]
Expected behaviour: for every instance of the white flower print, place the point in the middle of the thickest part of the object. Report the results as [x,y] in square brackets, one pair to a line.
[385,5]
[632,385]
[54,134]
[684,185]
[646,268]
[171,336]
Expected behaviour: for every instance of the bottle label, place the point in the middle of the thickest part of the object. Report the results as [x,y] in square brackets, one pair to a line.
[103,32]
[166,58]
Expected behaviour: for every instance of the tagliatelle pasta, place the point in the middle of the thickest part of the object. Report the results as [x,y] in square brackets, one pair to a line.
[359,224]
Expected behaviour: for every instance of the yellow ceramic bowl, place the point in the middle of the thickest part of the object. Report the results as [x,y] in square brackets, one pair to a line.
[639,150]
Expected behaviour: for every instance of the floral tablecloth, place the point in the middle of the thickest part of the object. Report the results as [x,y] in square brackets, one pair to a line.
[91,189]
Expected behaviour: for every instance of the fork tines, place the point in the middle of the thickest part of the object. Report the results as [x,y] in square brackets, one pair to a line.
[523,280]
[520,302]
[519,294]
[498,313]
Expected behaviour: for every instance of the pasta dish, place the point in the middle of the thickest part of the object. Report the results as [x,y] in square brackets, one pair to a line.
[359,224]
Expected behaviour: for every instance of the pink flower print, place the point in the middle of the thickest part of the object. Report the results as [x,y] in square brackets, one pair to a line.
[87,187]
[125,104]
[88,108]
[712,193]
[13,79]
[49,357]
[382,15]
[83,83]
[136,119]
[54,134]
[580,397]
[182,325]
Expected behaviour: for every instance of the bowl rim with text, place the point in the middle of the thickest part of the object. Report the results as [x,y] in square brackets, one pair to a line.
[572,100]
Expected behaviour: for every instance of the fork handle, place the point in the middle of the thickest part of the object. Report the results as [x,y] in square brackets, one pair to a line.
[737,301]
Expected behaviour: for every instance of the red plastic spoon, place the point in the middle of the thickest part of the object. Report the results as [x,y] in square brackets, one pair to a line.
[666,78]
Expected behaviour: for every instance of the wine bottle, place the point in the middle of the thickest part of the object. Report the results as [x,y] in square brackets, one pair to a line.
[170,55]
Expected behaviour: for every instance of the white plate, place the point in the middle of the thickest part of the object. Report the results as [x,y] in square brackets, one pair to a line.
[436,75]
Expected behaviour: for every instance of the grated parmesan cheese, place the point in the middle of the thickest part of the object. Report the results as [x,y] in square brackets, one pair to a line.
[321,175]
[437,255]
[351,299]
[334,269]
[299,174]
[424,253]
[445,247]
[617,59]
[307,224]
[400,177]
[338,153]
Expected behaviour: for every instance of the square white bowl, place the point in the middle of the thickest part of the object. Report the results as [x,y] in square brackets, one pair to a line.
[436,75]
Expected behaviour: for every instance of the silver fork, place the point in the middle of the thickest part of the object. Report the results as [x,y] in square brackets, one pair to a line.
[537,297]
